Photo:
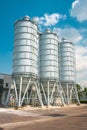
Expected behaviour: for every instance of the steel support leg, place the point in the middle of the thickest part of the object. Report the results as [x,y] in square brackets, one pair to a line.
[27,87]
[61,94]
[8,96]
[67,94]
[15,91]
[77,98]
[48,98]
[20,89]
[44,93]
[65,99]
[39,94]
[52,93]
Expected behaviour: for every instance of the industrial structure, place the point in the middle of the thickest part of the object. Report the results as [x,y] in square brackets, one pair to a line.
[5,84]
[49,69]
[25,61]
[43,68]
[68,70]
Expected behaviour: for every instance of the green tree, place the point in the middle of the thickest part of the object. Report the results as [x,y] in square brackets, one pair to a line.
[79,91]
[85,91]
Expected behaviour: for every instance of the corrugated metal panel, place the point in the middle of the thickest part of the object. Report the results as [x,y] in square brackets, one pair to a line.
[67,61]
[25,58]
[49,56]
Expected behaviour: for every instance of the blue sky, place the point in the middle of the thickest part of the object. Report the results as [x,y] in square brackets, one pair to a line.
[65,17]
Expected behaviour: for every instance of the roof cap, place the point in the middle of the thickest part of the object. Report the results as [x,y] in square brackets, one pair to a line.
[65,39]
[48,30]
[26,17]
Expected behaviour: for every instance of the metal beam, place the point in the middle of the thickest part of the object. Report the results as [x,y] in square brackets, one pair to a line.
[48,98]
[15,91]
[65,98]
[76,94]
[20,89]
[52,93]
[67,94]
[44,93]
[8,96]
[27,87]
[62,95]
[39,94]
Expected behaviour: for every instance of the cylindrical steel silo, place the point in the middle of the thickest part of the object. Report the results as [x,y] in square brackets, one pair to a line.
[67,70]
[25,58]
[48,70]
[48,56]
[67,61]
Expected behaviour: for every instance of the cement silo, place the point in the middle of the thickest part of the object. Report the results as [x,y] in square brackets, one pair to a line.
[25,58]
[49,56]
[67,59]
[49,69]
[67,66]
[25,48]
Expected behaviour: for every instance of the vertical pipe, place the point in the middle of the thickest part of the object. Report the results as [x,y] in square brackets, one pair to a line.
[48,94]
[19,101]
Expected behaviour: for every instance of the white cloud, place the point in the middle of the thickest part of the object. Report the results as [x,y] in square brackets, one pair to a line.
[75,3]
[49,20]
[81,65]
[71,33]
[79,10]
[81,56]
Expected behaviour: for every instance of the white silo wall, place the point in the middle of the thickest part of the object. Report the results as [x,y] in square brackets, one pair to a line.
[48,52]
[25,58]
[67,61]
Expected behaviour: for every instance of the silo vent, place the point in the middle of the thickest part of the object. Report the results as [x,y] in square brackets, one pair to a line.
[64,39]
[26,17]
[48,30]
